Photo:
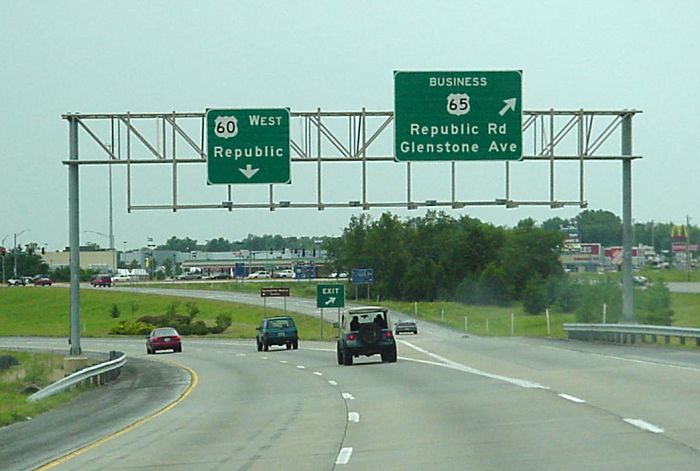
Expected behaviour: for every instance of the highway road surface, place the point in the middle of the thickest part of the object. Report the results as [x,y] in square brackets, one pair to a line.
[450,402]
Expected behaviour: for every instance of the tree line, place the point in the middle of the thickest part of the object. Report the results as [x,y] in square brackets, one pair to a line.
[439,257]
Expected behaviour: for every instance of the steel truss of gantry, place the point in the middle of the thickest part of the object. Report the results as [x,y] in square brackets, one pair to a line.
[321,139]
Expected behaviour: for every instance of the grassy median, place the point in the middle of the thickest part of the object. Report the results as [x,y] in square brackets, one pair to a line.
[19,381]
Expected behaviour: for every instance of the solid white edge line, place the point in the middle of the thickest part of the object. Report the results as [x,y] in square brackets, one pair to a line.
[446,362]
[571,398]
[344,455]
[354,417]
[644,425]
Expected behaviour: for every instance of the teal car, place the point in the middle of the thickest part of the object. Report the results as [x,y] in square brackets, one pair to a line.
[277,331]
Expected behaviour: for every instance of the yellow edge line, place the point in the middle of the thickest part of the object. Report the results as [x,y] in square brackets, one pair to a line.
[90,446]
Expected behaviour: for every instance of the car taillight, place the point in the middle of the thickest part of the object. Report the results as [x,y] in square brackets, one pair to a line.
[352,337]
[176,338]
[388,334]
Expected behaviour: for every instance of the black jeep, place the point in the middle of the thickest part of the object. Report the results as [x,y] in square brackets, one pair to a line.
[365,331]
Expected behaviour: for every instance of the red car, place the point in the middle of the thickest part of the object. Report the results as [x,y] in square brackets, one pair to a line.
[42,281]
[163,338]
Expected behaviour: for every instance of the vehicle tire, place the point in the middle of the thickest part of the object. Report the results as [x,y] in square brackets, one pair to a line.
[266,347]
[259,346]
[390,355]
[347,358]
[339,354]
[289,345]
[370,333]
[148,351]
[178,349]
[295,345]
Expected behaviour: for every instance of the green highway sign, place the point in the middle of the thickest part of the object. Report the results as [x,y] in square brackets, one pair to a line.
[248,146]
[458,116]
[330,295]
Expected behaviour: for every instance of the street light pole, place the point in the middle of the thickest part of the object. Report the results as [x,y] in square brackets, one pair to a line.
[4,254]
[14,248]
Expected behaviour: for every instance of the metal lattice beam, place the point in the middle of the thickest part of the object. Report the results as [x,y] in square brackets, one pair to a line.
[328,138]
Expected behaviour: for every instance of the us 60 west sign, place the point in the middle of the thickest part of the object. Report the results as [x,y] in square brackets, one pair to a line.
[248,146]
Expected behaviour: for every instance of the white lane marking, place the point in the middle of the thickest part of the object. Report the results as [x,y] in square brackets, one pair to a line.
[332,383]
[344,455]
[354,417]
[318,373]
[348,396]
[263,358]
[283,361]
[460,367]
[644,425]
[571,398]
[241,354]
[631,360]
[301,367]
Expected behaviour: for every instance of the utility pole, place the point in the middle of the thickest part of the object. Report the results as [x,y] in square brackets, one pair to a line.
[687,247]
[14,249]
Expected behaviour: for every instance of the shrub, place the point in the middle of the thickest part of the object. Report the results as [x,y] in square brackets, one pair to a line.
[115,311]
[593,296]
[131,328]
[654,305]
[534,296]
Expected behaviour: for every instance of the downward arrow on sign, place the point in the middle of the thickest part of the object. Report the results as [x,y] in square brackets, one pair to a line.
[249,171]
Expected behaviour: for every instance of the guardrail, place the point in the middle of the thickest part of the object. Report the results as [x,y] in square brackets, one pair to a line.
[95,374]
[628,333]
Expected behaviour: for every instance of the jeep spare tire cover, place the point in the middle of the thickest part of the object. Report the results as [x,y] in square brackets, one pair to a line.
[370,333]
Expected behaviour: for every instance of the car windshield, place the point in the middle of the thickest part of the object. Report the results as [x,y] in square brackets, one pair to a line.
[164,332]
[280,323]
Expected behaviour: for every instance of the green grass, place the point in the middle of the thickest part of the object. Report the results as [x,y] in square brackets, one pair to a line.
[35,369]
[486,320]
[46,312]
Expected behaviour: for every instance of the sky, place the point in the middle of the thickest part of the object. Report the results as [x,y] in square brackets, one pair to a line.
[161,56]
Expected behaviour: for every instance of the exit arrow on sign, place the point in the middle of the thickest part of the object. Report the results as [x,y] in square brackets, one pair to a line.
[249,171]
[330,301]
[510,105]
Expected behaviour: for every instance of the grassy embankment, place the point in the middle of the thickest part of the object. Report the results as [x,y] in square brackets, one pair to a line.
[37,370]
[46,312]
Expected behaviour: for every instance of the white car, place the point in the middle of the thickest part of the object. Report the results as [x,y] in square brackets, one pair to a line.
[284,274]
[259,275]
[117,278]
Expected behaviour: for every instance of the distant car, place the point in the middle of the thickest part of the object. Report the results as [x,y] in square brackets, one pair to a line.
[259,275]
[101,281]
[190,275]
[284,274]
[640,280]
[402,327]
[277,331]
[341,274]
[116,278]
[219,276]
[43,281]
[163,338]
[16,282]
